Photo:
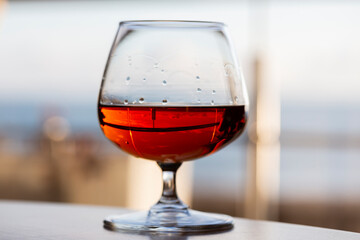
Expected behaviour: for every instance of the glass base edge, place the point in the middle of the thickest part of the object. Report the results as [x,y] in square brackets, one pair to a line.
[168,222]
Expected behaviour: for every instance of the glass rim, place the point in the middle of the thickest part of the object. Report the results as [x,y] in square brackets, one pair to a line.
[172,23]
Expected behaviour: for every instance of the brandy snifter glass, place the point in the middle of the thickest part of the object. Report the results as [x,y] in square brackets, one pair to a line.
[171,92]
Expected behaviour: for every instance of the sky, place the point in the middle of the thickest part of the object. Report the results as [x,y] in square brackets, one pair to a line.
[56,51]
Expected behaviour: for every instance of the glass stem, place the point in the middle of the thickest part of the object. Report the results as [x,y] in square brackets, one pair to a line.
[169,200]
[169,194]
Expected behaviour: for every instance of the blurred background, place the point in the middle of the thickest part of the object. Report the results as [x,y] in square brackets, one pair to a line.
[297,162]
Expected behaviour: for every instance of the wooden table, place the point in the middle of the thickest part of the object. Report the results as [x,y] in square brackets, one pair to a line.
[35,220]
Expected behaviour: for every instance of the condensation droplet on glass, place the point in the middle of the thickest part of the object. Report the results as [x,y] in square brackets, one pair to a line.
[212,102]
[198,90]
[162,70]
[111,103]
[198,101]
[156,65]
[164,101]
[213,91]
[164,82]
[197,77]
[144,79]
[231,102]
[126,102]
[141,100]
[228,68]
[127,80]
[126,142]
[236,99]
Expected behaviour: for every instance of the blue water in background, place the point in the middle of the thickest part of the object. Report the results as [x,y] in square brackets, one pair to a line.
[327,166]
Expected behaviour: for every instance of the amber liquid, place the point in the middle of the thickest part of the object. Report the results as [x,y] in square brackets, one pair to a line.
[171,134]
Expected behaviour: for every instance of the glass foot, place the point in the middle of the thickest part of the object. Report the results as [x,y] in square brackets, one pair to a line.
[190,221]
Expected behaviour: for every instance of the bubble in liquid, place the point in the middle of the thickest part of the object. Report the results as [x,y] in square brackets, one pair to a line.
[141,100]
[198,89]
[126,102]
[213,91]
[164,82]
[164,101]
[197,77]
[212,102]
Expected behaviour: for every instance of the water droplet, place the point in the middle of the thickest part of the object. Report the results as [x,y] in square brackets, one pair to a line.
[212,102]
[236,99]
[141,100]
[197,77]
[164,101]
[111,103]
[126,102]
[198,101]
[198,90]
[126,142]
[156,65]
[213,91]
[127,81]
[144,79]
[228,69]
[164,82]
[162,70]
[231,102]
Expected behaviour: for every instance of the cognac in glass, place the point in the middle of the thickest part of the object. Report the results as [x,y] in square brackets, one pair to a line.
[171,92]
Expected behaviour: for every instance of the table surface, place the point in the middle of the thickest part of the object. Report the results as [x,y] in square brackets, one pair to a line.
[37,220]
